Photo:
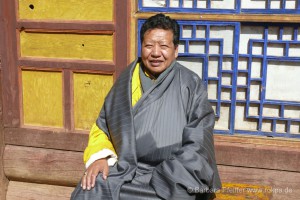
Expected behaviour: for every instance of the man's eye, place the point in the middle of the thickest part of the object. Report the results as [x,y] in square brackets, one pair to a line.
[148,45]
[164,46]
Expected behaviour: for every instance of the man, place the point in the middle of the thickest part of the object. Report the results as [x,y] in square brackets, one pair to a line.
[153,138]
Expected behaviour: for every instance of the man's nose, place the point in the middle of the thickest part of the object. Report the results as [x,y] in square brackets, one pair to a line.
[156,51]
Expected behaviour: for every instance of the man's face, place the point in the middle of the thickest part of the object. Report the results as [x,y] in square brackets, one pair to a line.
[158,50]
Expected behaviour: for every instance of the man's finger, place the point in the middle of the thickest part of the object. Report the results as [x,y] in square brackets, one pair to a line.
[83,181]
[88,181]
[105,172]
[94,175]
[93,180]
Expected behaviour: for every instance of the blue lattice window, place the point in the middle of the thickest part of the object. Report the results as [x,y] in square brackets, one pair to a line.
[270,67]
[221,6]
[251,72]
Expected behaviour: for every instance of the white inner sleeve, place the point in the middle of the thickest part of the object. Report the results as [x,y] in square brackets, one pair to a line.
[104,153]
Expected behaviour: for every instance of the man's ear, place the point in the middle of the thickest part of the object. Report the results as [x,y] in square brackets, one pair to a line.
[176,51]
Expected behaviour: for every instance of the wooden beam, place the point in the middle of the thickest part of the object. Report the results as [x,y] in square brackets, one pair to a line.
[283,184]
[43,138]
[29,191]
[278,157]
[47,166]
[279,18]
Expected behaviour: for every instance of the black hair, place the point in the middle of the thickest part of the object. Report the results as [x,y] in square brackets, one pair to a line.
[162,22]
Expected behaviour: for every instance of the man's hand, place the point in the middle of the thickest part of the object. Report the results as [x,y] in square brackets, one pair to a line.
[89,178]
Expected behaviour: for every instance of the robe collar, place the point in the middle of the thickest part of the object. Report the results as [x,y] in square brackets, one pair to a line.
[147,81]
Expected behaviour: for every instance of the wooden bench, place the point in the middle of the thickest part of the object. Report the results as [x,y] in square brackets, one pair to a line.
[52,174]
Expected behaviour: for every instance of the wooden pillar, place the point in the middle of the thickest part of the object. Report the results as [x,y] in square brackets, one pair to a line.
[3,50]
[3,179]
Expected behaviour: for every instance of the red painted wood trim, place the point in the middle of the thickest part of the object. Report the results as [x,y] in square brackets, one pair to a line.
[70,31]
[84,65]
[66,25]
[67,99]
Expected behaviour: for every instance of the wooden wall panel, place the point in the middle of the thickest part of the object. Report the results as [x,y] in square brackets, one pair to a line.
[42,98]
[67,45]
[89,93]
[66,10]
[37,165]
[30,191]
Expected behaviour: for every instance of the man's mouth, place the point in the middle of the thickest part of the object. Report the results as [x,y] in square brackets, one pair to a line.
[155,63]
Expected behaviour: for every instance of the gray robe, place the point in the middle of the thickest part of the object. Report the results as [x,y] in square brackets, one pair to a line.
[164,143]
